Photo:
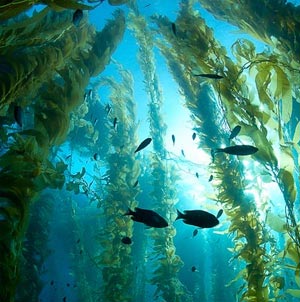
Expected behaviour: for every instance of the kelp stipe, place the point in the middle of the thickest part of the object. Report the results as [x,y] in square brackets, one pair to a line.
[229,92]
[165,275]
[25,168]
[115,259]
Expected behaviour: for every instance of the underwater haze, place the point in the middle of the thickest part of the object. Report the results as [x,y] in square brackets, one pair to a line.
[149,151]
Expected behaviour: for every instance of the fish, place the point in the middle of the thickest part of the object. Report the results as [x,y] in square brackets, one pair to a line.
[143,144]
[64,299]
[209,76]
[115,123]
[77,16]
[236,150]
[90,93]
[136,183]
[219,213]
[194,136]
[199,218]
[68,284]
[18,114]
[173,139]
[182,152]
[210,178]
[193,269]
[235,131]
[52,282]
[197,174]
[148,217]
[195,233]
[78,240]
[96,156]
[174,28]
[126,240]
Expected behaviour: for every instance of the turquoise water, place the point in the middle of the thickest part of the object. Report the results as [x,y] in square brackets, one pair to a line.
[75,106]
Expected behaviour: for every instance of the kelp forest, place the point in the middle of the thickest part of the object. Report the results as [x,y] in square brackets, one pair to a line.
[86,145]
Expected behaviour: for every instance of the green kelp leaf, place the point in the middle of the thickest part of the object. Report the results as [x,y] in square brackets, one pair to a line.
[276,223]
[244,48]
[287,179]
[283,90]
[293,292]
[296,138]
[262,81]
[61,167]
[297,275]
[72,186]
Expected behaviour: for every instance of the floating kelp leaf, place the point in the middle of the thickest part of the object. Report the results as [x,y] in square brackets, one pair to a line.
[61,167]
[79,175]
[296,138]
[293,292]
[72,186]
[297,275]
[287,179]
[284,91]
[276,223]
[243,48]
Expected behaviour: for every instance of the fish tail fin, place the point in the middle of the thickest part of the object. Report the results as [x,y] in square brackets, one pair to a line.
[179,215]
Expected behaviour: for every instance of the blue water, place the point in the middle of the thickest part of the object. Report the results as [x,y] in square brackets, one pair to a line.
[80,230]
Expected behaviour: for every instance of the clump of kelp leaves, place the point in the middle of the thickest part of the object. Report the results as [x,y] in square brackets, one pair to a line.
[46,65]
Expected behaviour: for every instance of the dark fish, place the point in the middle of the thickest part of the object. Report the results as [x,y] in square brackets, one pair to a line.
[219,213]
[173,139]
[209,76]
[199,218]
[136,183]
[68,156]
[210,178]
[126,240]
[143,144]
[18,114]
[77,16]
[90,93]
[174,28]
[96,156]
[68,284]
[147,5]
[148,217]
[237,150]
[235,131]
[78,240]
[64,298]
[197,174]
[52,282]
[80,252]
[115,123]
[182,152]
[193,269]
[194,136]
[195,233]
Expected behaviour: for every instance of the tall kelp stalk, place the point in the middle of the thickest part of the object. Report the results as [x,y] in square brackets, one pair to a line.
[194,50]
[164,176]
[123,170]
[35,250]
[276,76]
[46,79]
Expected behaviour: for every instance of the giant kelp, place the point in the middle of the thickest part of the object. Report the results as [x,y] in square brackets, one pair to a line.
[165,275]
[49,79]
[195,50]
[115,260]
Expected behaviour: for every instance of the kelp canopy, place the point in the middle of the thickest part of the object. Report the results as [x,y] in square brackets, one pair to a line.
[70,134]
